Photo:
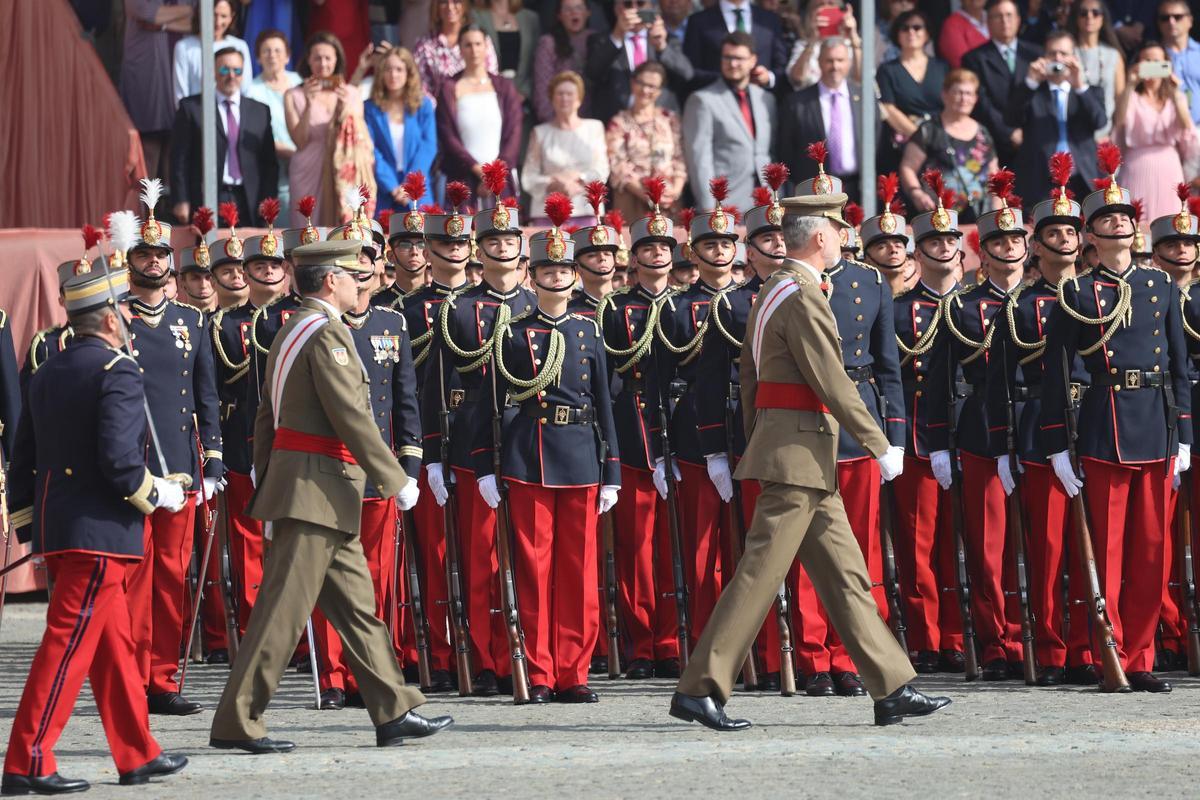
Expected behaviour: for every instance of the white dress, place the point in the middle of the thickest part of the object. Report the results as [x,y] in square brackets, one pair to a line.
[479,124]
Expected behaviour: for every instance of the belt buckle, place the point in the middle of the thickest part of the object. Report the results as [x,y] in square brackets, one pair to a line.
[456,397]
[1076,392]
[1133,379]
[562,415]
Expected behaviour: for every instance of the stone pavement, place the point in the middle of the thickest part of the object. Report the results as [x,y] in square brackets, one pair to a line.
[995,739]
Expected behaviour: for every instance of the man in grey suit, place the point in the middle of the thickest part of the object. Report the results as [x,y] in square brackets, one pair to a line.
[729,126]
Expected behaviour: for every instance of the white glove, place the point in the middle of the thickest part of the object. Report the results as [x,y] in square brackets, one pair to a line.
[406,498]
[253,478]
[660,477]
[170,494]
[891,463]
[1071,482]
[1183,461]
[939,461]
[718,473]
[211,487]
[608,498]
[437,483]
[488,490]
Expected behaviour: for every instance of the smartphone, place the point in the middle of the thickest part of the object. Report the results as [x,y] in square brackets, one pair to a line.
[833,21]
[648,15]
[1154,69]
[332,83]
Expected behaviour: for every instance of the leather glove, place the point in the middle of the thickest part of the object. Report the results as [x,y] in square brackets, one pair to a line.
[939,462]
[891,463]
[1071,482]
[1183,461]
[170,495]
[718,473]
[407,497]
[437,483]
[608,498]
[489,491]
[660,477]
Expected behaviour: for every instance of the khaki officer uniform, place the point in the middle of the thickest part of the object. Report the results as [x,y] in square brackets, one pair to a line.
[795,395]
[312,463]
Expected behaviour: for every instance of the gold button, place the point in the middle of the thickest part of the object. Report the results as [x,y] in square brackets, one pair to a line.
[1154,299]
[1041,303]
[858,337]
[821,428]
[183,391]
[582,347]
[853,284]
[919,393]
[917,364]
[920,378]
[584,376]
[533,347]
[917,320]
[1157,314]
[1043,320]
[381,413]
[1157,368]
[68,471]
[583,361]
[1157,350]
[1111,354]
[185,372]
[858,352]
[857,300]
[183,411]
[637,374]
[1112,370]
[542,421]
[1150,282]
[1116,388]
[641,405]
[537,361]
[1156,331]
[859,318]
[579,334]
[1103,302]
[183,427]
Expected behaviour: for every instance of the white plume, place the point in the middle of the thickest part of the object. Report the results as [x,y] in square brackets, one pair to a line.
[353,200]
[123,227]
[152,189]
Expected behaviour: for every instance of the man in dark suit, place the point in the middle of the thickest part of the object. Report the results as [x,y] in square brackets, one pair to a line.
[1059,112]
[612,57]
[247,172]
[1001,64]
[708,28]
[828,110]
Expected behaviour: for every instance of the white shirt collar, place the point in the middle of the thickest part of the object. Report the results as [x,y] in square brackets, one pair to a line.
[825,91]
[816,273]
[333,312]
[235,98]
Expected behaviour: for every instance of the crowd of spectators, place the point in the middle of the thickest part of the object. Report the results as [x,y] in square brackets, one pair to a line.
[316,96]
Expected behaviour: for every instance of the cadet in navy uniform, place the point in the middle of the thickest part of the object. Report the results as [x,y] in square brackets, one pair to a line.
[551,365]
[406,242]
[169,343]
[1016,368]
[462,346]
[51,341]
[596,248]
[1135,427]
[627,318]
[924,539]
[80,491]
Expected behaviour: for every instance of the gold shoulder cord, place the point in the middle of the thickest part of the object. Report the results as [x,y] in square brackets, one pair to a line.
[555,355]
[478,356]
[254,329]
[1038,347]
[1122,308]
[1184,296]
[642,345]
[692,348]
[979,348]
[32,359]
[924,343]
[715,316]
[221,354]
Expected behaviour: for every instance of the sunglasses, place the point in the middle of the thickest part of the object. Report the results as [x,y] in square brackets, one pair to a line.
[912,28]
[1172,17]
[227,71]
[1090,12]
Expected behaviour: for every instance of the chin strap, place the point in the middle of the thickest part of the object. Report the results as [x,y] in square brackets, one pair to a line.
[555,290]
[1003,260]
[925,253]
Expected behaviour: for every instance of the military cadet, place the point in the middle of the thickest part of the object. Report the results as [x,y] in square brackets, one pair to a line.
[796,392]
[628,319]
[195,267]
[229,280]
[462,344]
[474,265]
[315,426]
[51,341]
[406,243]
[1016,370]
[1191,328]
[683,268]
[168,341]
[621,276]
[596,248]
[884,237]
[924,540]
[1135,427]
[80,493]
[738,270]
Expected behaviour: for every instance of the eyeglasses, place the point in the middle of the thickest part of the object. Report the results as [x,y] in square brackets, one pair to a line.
[1091,12]
[911,28]
[408,247]
[1172,17]
[227,71]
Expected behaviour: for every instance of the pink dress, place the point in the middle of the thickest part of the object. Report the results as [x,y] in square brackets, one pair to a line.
[1155,148]
[306,170]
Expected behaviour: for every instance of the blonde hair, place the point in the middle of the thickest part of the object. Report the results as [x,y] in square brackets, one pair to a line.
[566,76]
[412,94]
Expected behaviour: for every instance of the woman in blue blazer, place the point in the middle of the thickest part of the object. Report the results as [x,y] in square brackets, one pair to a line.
[400,118]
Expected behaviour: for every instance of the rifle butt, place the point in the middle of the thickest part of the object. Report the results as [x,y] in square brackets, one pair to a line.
[458,614]
[787,666]
[608,537]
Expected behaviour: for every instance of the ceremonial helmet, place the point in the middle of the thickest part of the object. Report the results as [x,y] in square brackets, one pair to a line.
[655,226]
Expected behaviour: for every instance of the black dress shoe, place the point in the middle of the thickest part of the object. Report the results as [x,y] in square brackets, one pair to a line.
[1052,676]
[258,746]
[1016,669]
[333,700]
[504,684]
[639,670]
[355,700]
[768,682]
[1167,660]
[925,662]
[220,656]
[666,668]
[410,726]
[952,661]
[906,702]
[819,684]
[440,681]
[995,670]
[411,673]
[706,711]
[1147,682]
[46,784]
[165,764]
[847,684]
[577,694]
[599,665]
[171,704]
[484,684]
[1083,675]
[540,693]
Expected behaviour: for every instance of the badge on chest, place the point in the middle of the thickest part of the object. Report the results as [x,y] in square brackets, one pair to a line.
[385,349]
[183,337]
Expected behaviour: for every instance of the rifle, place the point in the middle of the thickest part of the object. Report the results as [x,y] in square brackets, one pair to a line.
[680,593]
[1113,679]
[508,589]
[458,608]
[227,582]
[198,584]
[891,577]
[1015,520]
[404,534]
[610,576]
[1185,526]
[970,655]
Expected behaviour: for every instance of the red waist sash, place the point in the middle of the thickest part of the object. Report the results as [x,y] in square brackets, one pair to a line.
[288,439]
[793,396]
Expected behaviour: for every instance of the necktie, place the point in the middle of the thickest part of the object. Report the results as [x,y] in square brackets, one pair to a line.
[639,50]
[837,144]
[743,96]
[231,136]
[740,23]
[1060,111]
[1010,58]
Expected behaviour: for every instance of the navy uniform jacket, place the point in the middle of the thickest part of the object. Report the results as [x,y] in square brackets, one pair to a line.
[1191,329]
[583,304]
[234,361]
[554,438]
[465,324]
[420,310]
[1119,423]
[623,322]
[687,328]
[861,301]
[78,479]
[388,297]
[381,338]
[171,346]
[718,387]
[46,344]
[968,319]
[917,316]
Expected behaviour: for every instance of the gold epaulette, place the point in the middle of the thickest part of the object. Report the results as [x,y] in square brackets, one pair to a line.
[587,318]
[864,265]
[119,355]
[38,339]
[190,307]
[239,367]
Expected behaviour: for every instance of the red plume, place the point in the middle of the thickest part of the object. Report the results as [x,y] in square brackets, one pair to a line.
[685,218]
[597,195]
[1193,203]
[1108,156]
[1070,195]
[949,198]
[817,151]
[853,214]
[933,179]
[306,206]
[616,220]
[202,218]
[509,202]
[654,187]
[414,186]
[91,237]
[1000,183]
[1061,167]
[775,174]
[761,195]
[973,240]
[385,219]
[570,230]
[229,213]
[718,187]
[558,208]
[432,208]
[1016,201]
[457,193]
[886,186]
[1139,208]
[268,209]
[1182,190]
[1100,184]
[734,212]
[897,207]
[495,176]
[107,223]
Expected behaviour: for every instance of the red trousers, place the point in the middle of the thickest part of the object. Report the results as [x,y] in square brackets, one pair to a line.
[554,555]
[643,550]
[158,594]
[477,544]
[212,610]
[377,533]
[245,545]
[87,635]
[1172,625]
[925,559]
[1051,550]
[431,566]
[989,560]
[704,526]
[1128,508]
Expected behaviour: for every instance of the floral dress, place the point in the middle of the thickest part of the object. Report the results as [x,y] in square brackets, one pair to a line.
[963,164]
